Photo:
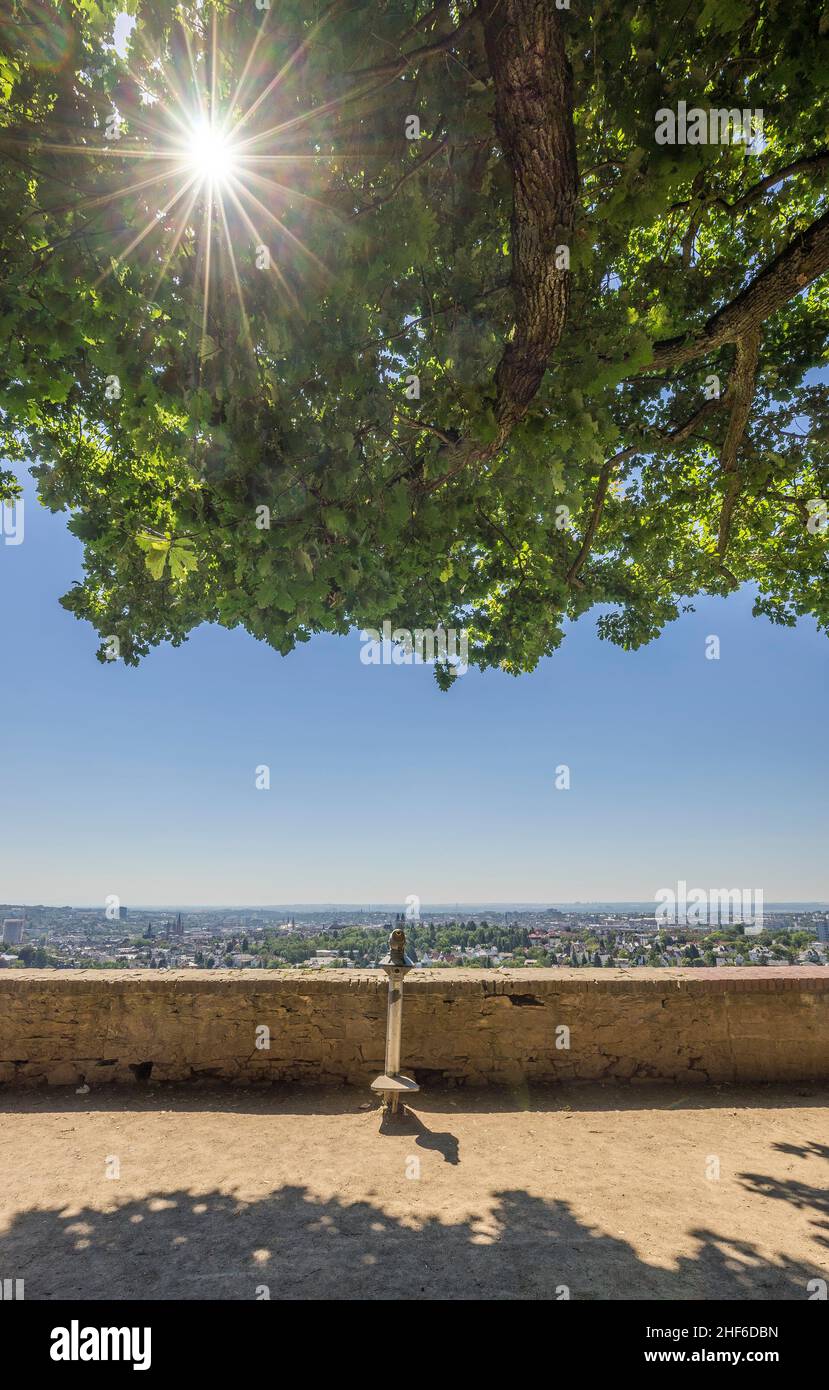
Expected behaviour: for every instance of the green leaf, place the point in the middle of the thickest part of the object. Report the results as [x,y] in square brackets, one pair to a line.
[182,559]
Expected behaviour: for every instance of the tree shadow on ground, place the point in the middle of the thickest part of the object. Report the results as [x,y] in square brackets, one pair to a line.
[190,1245]
[809,1149]
[803,1196]
[799,1194]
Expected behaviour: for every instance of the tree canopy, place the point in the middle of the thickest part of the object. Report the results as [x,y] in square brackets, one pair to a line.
[454,341]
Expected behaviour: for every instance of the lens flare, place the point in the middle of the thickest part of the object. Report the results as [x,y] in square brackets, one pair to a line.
[209,154]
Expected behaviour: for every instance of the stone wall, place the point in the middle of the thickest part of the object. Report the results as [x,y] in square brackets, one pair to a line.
[468,1026]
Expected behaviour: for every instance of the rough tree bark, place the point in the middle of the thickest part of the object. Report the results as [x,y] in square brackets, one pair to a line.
[527,57]
[740,396]
[534,121]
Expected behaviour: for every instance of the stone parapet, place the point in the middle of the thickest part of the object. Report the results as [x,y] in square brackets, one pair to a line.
[468,1026]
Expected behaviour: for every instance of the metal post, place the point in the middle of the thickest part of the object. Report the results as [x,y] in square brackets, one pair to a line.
[392,1084]
[394,1022]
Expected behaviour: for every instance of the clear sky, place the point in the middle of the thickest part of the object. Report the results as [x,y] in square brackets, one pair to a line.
[141,782]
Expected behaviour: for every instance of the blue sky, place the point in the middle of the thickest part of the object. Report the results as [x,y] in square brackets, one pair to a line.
[141,782]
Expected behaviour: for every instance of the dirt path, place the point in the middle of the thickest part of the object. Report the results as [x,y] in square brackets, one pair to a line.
[606,1192]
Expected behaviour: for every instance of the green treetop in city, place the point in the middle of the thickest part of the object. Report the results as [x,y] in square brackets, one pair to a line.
[321,315]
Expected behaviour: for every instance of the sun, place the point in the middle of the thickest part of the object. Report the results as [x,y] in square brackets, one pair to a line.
[211,167]
[209,155]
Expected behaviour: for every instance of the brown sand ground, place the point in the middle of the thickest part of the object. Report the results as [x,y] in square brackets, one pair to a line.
[598,1190]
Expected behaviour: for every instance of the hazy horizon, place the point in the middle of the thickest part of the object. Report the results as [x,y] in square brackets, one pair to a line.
[609,904]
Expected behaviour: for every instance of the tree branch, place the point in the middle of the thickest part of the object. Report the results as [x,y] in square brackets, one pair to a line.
[802,261]
[810,164]
[430,429]
[740,395]
[418,55]
[675,436]
[596,514]
[413,169]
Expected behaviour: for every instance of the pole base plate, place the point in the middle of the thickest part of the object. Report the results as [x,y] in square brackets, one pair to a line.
[394,1083]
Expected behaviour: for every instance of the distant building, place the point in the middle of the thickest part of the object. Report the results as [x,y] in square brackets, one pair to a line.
[326,958]
[13,930]
[178,929]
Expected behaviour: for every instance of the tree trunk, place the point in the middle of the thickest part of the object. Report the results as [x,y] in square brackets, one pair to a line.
[534,121]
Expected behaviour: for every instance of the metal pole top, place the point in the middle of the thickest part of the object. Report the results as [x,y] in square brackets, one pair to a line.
[397,958]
